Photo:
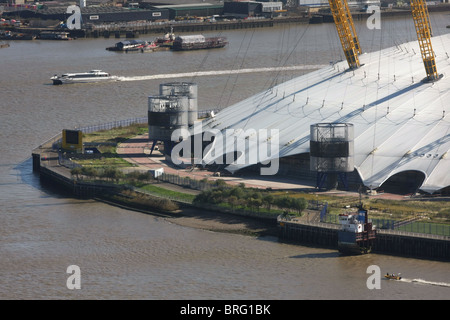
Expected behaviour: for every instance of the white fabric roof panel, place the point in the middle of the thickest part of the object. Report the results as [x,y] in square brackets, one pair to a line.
[400,122]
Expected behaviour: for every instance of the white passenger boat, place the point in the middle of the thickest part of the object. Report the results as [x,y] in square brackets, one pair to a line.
[84,77]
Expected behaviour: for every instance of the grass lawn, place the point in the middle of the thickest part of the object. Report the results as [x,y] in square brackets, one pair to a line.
[159,191]
[106,142]
[110,138]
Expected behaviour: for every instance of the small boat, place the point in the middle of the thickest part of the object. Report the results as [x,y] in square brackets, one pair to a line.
[134,46]
[167,40]
[393,276]
[8,35]
[84,77]
[357,233]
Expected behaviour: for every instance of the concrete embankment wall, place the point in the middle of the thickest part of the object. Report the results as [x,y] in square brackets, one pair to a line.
[413,246]
[45,162]
[386,243]
[78,189]
[137,29]
[308,234]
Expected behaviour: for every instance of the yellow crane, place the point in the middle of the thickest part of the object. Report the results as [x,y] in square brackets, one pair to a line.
[350,43]
[352,26]
[346,31]
[423,29]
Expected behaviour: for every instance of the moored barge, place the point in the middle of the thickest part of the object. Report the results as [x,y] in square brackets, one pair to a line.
[8,35]
[52,35]
[196,42]
[135,46]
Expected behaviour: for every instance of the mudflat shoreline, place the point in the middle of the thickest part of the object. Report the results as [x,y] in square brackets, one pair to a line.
[205,219]
[209,220]
[224,222]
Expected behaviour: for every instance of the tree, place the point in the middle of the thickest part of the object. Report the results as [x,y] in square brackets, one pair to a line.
[119,175]
[113,174]
[220,183]
[268,200]
[216,196]
[145,176]
[203,197]
[283,202]
[89,172]
[233,200]
[76,172]
[256,203]
[299,204]
[133,176]
[256,195]
[238,192]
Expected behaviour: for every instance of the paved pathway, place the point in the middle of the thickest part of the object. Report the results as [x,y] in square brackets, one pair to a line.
[137,151]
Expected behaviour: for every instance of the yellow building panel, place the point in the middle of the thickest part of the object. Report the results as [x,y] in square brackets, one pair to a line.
[72,140]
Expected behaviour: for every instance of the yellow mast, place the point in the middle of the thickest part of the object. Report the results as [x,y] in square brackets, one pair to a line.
[422,23]
[344,27]
[352,26]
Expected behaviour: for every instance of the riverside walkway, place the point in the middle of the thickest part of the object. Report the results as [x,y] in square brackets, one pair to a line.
[137,151]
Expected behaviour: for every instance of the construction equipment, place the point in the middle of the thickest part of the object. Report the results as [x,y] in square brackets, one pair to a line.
[423,29]
[346,31]
[352,26]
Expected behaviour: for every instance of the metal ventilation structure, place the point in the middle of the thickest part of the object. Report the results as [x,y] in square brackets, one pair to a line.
[174,108]
[331,152]
[188,89]
[165,115]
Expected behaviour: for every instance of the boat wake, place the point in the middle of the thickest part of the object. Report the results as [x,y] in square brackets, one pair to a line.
[425,282]
[219,72]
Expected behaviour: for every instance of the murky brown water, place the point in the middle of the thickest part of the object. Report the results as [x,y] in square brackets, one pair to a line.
[128,255]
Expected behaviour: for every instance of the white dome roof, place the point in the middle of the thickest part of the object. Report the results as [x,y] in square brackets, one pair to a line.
[400,122]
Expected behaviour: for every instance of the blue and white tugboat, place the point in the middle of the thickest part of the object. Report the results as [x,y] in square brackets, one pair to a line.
[357,233]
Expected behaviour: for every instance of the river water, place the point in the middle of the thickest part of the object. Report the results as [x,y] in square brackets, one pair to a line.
[128,255]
